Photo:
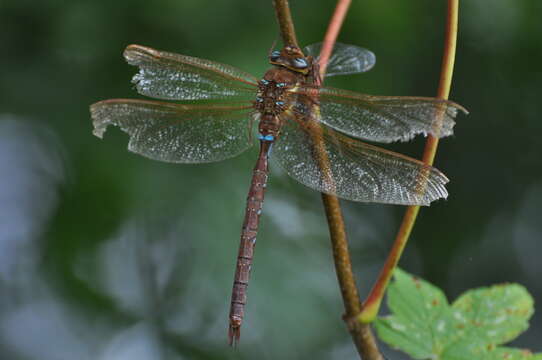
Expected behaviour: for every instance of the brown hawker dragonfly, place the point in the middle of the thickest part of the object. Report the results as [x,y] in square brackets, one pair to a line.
[313,131]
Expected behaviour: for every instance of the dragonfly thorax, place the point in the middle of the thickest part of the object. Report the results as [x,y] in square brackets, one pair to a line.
[271,97]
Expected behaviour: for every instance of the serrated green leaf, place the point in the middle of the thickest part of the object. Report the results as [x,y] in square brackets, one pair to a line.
[498,313]
[425,326]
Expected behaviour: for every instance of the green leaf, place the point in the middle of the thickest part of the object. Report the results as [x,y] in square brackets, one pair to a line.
[505,353]
[424,325]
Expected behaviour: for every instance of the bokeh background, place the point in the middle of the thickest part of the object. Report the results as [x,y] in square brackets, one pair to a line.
[107,255]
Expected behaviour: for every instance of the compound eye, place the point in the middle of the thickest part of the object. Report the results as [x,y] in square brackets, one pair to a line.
[274,55]
[299,63]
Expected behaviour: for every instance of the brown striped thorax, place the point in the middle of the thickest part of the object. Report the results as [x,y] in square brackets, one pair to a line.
[289,72]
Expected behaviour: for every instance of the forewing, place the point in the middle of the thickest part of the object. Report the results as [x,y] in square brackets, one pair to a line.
[170,76]
[345,59]
[174,132]
[353,170]
[384,118]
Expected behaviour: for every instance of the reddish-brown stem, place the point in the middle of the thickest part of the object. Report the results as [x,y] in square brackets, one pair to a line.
[332,33]
[373,301]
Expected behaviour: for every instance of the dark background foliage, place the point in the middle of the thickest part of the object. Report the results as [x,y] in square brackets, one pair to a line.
[108,255]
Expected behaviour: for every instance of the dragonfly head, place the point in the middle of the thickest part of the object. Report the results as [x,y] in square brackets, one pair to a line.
[292,58]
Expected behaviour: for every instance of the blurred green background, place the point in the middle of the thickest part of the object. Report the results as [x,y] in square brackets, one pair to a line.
[108,255]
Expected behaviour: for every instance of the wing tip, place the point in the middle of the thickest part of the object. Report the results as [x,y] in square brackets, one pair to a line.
[442,194]
[430,186]
[462,108]
[456,107]
[133,53]
[99,131]
[99,120]
[436,186]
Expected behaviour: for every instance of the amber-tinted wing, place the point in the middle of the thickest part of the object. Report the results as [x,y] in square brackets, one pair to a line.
[355,170]
[170,76]
[176,132]
[383,118]
[345,59]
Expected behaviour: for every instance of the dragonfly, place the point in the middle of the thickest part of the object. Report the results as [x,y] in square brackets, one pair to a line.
[208,111]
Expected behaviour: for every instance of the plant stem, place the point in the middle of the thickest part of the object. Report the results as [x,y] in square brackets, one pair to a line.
[372,304]
[286,25]
[361,333]
[332,33]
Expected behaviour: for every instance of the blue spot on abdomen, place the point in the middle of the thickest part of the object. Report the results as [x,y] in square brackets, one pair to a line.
[266,137]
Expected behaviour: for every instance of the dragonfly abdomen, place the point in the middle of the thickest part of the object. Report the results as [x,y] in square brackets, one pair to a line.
[248,239]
